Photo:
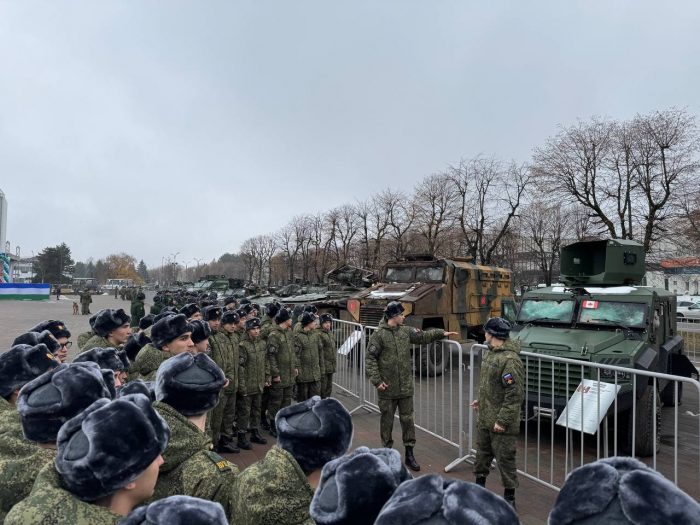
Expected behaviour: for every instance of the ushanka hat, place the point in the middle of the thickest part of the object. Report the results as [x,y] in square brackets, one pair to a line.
[212,313]
[108,320]
[134,344]
[272,308]
[252,323]
[147,388]
[57,328]
[325,318]
[621,490]
[355,487]
[200,331]
[109,445]
[282,316]
[307,318]
[314,431]
[146,321]
[189,310]
[191,384]
[441,501]
[38,338]
[230,317]
[51,399]
[22,363]
[165,312]
[178,510]
[109,358]
[168,329]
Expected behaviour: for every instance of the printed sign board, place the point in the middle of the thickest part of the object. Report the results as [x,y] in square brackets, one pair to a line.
[588,405]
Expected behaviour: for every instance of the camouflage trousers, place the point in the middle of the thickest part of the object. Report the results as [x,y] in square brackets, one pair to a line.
[388,407]
[248,412]
[308,390]
[265,403]
[491,445]
[85,309]
[222,417]
[280,397]
[326,385]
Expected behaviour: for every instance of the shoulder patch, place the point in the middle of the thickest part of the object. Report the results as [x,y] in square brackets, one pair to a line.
[221,463]
[508,379]
[417,331]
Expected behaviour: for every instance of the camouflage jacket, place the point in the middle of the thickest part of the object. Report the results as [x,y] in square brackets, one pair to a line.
[84,338]
[20,461]
[137,312]
[156,308]
[307,346]
[96,341]
[267,324]
[190,467]
[328,350]
[282,357]
[273,491]
[224,352]
[389,357]
[254,368]
[146,363]
[501,388]
[49,503]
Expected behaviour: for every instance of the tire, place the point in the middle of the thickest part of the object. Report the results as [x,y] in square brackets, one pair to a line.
[667,394]
[645,442]
[429,361]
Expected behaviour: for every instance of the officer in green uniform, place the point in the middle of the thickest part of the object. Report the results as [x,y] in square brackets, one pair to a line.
[170,336]
[284,365]
[266,324]
[111,329]
[187,388]
[308,348]
[138,309]
[501,395]
[329,354]
[390,369]
[253,376]
[85,300]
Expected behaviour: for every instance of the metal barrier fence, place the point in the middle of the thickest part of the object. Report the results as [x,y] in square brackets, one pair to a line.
[349,343]
[689,330]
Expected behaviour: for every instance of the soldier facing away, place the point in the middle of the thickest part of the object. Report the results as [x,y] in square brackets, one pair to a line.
[501,394]
[85,300]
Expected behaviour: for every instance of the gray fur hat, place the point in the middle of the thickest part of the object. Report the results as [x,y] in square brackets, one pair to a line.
[57,328]
[109,358]
[441,501]
[178,510]
[22,363]
[51,399]
[212,312]
[165,312]
[252,323]
[621,490]
[168,329]
[307,318]
[134,344]
[146,321]
[230,317]
[355,487]
[189,310]
[108,320]
[38,338]
[200,331]
[314,431]
[147,388]
[190,384]
[109,445]
[282,316]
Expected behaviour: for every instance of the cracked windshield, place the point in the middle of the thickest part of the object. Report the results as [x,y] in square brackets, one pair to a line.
[399,275]
[612,313]
[432,273]
[547,310]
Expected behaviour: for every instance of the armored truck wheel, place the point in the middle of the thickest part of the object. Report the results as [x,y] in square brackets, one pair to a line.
[646,441]
[668,395]
[429,360]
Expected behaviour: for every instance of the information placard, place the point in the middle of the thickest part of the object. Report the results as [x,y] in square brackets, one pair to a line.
[588,404]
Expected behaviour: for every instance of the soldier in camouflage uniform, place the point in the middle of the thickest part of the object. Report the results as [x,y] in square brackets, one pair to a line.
[170,336]
[225,353]
[187,387]
[266,325]
[329,354]
[284,365]
[253,375]
[85,336]
[85,300]
[308,348]
[138,309]
[390,369]
[111,329]
[501,395]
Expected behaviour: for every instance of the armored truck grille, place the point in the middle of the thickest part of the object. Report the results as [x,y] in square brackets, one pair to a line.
[370,316]
[539,378]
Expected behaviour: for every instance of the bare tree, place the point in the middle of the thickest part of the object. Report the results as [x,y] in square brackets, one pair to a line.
[401,213]
[545,225]
[435,198]
[346,227]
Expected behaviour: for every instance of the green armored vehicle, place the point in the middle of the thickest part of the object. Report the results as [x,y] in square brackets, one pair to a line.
[601,314]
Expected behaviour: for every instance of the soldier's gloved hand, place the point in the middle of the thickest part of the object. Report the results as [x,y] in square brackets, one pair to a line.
[498,429]
[474,404]
[382,386]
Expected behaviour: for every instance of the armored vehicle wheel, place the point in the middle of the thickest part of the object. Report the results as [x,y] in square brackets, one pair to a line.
[645,440]
[429,362]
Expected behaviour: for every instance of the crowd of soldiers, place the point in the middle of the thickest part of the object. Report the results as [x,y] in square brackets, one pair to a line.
[129,432]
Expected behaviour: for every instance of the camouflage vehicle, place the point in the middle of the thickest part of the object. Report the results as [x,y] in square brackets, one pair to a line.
[601,315]
[454,294]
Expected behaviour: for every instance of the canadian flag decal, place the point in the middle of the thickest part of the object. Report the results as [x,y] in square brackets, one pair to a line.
[590,304]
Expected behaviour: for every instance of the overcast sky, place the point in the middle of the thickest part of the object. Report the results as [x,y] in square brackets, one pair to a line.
[162,127]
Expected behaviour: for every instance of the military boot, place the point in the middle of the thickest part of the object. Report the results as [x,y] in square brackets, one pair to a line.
[509,496]
[243,442]
[226,444]
[264,423]
[481,481]
[411,460]
[255,437]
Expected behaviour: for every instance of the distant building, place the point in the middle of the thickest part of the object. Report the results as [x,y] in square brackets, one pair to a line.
[682,275]
[23,271]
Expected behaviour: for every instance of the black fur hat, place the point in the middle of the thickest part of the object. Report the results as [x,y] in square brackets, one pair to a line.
[146,321]
[311,308]
[325,318]
[190,384]
[314,431]
[178,510]
[245,300]
[108,358]
[230,299]
[212,313]
[22,363]
[38,338]
[200,331]
[282,316]
[57,328]
[307,318]
[165,312]
[140,296]
[134,344]
[51,399]
[272,308]
[109,445]
[437,500]
[108,320]
[168,329]
[189,310]
[621,490]
[247,308]
[354,488]
[92,320]
[147,388]
[230,317]
[252,323]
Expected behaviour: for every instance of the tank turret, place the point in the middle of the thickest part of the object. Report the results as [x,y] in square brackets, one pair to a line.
[611,262]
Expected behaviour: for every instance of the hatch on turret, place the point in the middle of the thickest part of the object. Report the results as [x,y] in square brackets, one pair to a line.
[606,262]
